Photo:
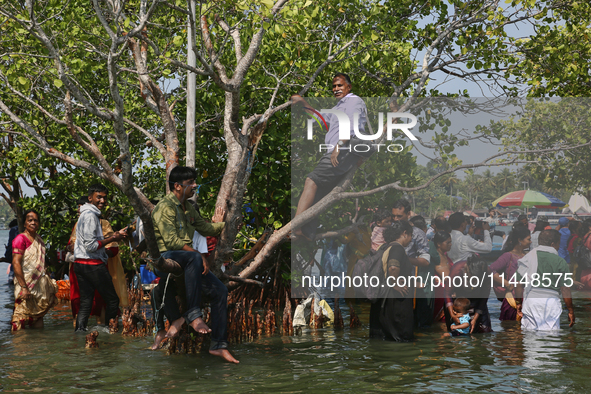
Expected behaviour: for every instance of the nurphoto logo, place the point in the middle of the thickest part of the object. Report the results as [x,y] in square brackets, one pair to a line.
[345,127]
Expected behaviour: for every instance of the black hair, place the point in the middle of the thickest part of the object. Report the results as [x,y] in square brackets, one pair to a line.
[398,228]
[521,217]
[381,214]
[439,223]
[402,203]
[518,233]
[180,174]
[585,227]
[82,200]
[519,225]
[541,225]
[419,222]
[462,304]
[28,211]
[445,227]
[344,76]
[97,188]
[573,227]
[549,237]
[456,220]
[440,237]
[13,223]
[476,265]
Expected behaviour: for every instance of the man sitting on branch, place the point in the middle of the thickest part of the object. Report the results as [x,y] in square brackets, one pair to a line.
[175,222]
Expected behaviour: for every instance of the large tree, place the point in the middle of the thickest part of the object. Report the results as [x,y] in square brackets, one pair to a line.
[106,75]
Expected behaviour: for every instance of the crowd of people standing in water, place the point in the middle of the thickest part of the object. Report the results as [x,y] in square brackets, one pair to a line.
[527,278]
[97,281]
[403,241]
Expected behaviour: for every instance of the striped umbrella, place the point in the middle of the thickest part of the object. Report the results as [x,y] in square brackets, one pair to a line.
[528,198]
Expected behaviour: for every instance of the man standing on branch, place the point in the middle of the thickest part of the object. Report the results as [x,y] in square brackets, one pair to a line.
[90,258]
[340,157]
[175,222]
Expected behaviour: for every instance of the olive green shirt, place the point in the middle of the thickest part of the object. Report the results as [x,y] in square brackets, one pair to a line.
[175,227]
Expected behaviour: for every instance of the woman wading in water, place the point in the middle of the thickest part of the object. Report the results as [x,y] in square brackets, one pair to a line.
[506,265]
[34,291]
[391,317]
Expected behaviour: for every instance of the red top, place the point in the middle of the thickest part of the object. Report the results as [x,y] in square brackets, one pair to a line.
[20,244]
[114,250]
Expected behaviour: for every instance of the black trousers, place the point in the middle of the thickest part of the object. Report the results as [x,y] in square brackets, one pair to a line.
[196,284]
[91,278]
[327,177]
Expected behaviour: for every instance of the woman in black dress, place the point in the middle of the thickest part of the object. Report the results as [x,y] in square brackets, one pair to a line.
[474,268]
[391,317]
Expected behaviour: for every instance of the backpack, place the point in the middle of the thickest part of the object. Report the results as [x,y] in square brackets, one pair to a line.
[371,265]
[582,254]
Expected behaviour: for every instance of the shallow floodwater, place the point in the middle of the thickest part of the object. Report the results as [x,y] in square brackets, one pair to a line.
[54,360]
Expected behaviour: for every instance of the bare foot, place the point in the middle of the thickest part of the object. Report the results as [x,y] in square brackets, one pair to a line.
[225,354]
[299,235]
[160,335]
[200,326]
[175,327]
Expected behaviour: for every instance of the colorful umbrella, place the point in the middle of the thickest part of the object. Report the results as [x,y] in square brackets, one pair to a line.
[527,198]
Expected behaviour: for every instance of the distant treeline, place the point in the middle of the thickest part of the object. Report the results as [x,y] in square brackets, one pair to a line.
[6,214]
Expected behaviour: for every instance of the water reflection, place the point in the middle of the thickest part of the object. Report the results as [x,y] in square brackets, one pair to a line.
[54,359]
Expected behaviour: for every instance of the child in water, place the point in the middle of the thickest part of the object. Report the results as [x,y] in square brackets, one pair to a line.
[460,308]
[383,220]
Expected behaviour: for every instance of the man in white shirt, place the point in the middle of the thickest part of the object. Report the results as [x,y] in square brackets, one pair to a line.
[462,246]
[339,159]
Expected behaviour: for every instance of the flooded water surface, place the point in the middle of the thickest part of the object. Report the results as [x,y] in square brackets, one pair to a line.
[54,360]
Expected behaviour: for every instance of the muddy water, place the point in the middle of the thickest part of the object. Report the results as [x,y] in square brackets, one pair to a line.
[54,360]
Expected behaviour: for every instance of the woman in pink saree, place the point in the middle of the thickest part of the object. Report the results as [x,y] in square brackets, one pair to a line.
[34,290]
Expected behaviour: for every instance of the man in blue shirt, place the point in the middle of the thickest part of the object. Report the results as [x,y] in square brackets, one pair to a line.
[564,237]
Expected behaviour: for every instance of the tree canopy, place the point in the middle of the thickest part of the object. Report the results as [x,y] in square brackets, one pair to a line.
[97,92]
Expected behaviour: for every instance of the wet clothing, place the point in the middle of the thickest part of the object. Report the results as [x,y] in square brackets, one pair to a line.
[439,302]
[462,331]
[506,264]
[542,313]
[93,278]
[42,288]
[391,318]
[478,297]
[425,297]
[541,300]
[90,267]
[115,269]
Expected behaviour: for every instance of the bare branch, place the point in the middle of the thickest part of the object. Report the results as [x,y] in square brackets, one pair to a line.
[154,140]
